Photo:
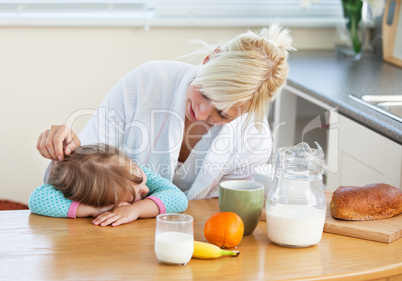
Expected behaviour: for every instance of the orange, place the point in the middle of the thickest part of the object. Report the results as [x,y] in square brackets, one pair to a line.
[224,229]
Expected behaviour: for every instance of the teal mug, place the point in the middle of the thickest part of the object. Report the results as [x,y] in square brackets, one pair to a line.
[244,198]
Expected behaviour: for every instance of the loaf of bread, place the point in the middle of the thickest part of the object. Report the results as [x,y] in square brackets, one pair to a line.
[370,202]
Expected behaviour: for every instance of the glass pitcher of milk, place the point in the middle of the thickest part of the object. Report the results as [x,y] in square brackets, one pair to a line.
[295,205]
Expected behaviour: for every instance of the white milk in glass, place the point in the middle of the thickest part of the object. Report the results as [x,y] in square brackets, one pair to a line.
[295,225]
[174,247]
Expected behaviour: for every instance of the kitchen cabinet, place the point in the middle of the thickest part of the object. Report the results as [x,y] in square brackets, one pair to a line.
[355,154]
[360,156]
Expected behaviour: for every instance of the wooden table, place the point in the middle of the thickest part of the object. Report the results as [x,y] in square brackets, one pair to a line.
[34,247]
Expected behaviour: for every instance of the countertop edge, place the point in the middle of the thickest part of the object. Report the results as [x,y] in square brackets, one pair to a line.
[367,117]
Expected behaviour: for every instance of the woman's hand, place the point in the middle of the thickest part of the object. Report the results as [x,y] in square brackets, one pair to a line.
[56,142]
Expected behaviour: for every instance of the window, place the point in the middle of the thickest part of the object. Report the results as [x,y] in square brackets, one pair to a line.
[148,13]
[74,12]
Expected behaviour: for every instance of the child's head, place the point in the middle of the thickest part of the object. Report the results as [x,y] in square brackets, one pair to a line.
[96,175]
[248,70]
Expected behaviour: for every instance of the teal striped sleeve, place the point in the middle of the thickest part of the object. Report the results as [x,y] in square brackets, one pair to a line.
[173,198]
[45,200]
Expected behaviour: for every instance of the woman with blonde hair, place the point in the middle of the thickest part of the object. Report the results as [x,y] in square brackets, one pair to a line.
[195,125]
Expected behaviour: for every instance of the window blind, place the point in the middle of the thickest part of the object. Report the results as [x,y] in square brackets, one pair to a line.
[68,6]
[168,12]
[246,9]
[74,12]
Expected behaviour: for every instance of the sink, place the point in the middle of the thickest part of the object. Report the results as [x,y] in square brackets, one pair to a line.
[390,105]
[393,107]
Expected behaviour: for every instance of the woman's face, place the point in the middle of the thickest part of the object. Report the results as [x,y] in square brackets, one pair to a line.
[201,108]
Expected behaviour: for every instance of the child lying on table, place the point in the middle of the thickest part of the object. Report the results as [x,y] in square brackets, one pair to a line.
[101,181]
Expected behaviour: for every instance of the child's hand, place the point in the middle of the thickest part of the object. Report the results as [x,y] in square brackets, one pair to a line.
[84,211]
[126,213]
[121,215]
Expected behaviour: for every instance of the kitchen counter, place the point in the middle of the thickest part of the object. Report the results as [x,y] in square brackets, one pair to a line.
[328,79]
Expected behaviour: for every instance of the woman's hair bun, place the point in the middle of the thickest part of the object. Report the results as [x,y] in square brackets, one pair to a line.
[278,36]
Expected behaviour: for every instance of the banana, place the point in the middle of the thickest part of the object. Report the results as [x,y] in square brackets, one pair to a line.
[209,251]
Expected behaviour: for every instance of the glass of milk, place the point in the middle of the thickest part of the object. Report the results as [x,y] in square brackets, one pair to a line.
[174,238]
[296,205]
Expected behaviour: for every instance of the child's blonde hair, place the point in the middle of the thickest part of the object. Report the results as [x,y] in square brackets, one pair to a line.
[248,70]
[95,175]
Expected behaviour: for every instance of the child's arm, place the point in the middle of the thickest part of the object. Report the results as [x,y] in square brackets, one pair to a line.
[168,197]
[163,197]
[46,200]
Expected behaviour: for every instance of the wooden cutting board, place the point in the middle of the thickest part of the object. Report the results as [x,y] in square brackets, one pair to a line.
[384,230]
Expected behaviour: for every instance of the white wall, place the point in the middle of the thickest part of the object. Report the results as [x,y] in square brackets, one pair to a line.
[46,74]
